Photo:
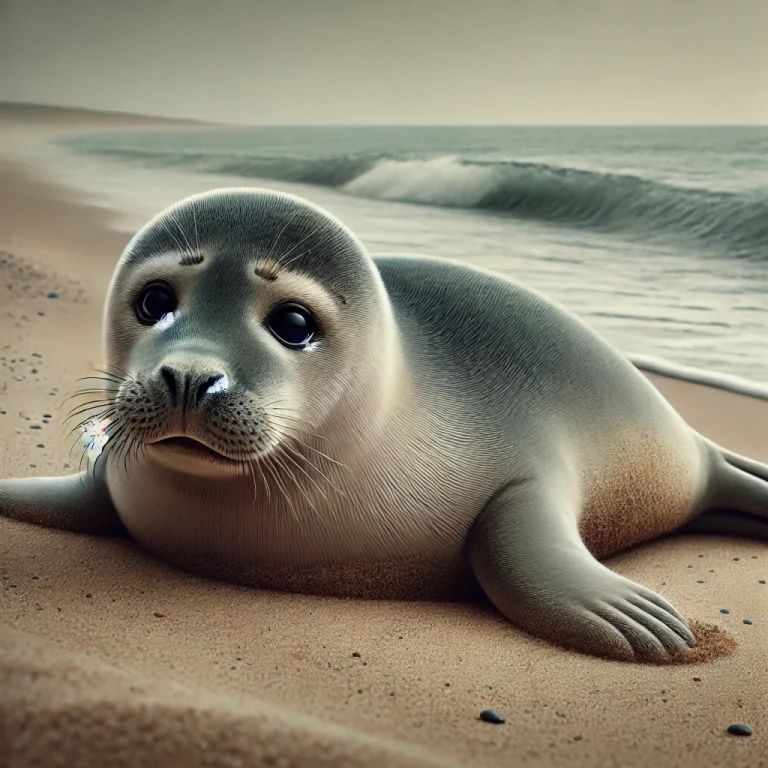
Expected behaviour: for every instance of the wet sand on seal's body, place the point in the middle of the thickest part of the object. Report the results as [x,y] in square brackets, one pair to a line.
[109,657]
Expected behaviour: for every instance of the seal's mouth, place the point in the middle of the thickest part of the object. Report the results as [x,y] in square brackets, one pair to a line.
[189,447]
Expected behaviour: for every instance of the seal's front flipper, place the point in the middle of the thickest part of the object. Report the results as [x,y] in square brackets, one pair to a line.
[79,503]
[526,553]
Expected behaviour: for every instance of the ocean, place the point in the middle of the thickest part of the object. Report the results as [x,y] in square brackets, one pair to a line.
[655,237]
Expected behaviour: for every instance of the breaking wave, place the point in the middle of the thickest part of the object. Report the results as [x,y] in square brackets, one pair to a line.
[606,202]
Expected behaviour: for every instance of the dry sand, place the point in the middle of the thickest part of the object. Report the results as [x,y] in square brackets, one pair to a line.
[91,675]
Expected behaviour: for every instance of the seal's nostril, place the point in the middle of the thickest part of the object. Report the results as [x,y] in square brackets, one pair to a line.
[169,376]
[209,385]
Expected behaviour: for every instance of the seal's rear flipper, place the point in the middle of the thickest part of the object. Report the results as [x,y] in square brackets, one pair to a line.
[738,498]
[79,503]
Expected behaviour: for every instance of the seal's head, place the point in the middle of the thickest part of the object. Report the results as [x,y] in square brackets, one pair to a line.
[243,320]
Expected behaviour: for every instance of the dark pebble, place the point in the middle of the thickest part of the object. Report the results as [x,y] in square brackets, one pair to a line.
[40,445]
[158,614]
[724,610]
[88,594]
[492,716]
[701,555]
[747,621]
[356,654]
[736,559]
[34,370]
[3,413]
[754,557]
[53,295]
[737,729]
[35,426]
[47,416]
[761,581]
[690,566]
[699,581]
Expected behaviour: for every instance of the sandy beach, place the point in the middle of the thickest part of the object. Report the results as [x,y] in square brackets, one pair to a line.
[109,657]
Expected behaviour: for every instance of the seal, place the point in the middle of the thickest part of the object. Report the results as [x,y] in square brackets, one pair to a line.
[280,408]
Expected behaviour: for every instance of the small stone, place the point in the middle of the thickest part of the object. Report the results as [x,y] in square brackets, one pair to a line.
[356,654]
[492,716]
[53,295]
[699,581]
[158,614]
[696,679]
[738,729]
[447,685]
[761,581]
[88,595]
[690,566]
[701,555]
[747,621]
[754,557]
[724,610]
[578,738]
[40,445]
[735,559]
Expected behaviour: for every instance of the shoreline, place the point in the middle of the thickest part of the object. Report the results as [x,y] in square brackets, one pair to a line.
[229,673]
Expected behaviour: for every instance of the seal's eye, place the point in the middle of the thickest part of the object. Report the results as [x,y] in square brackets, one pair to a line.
[292,325]
[154,302]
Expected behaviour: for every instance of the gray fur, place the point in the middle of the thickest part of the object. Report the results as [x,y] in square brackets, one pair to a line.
[448,415]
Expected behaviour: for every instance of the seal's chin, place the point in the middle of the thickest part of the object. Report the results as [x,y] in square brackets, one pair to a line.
[189,455]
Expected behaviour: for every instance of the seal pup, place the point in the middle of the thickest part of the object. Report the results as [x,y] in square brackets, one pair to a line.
[279,402]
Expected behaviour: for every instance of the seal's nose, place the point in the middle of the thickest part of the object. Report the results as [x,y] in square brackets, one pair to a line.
[190,388]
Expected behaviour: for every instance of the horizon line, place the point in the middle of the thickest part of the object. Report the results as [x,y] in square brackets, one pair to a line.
[5,103]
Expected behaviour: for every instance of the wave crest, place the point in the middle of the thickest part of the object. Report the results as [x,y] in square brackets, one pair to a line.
[532,191]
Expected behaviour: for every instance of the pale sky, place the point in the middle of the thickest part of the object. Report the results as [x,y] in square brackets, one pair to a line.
[394,61]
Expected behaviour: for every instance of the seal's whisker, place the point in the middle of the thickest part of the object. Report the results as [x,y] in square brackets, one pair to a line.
[197,239]
[280,233]
[276,476]
[253,463]
[249,468]
[102,377]
[311,479]
[305,251]
[190,256]
[82,392]
[81,425]
[282,256]
[287,469]
[295,433]
[89,406]
[127,375]
[175,239]
[110,374]
[317,469]
[282,416]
